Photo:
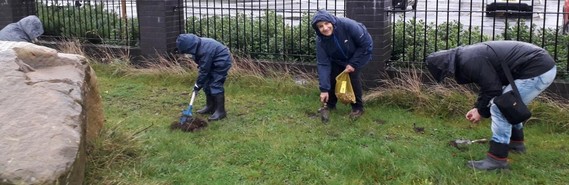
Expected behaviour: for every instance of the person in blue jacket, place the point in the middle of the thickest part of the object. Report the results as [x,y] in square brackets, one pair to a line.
[342,44]
[27,29]
[214,61]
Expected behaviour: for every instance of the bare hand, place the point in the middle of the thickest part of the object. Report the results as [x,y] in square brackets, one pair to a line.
[349,69]
[473,116]
[324,97]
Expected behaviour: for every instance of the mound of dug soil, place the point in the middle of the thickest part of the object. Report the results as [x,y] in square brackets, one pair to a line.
[190,125]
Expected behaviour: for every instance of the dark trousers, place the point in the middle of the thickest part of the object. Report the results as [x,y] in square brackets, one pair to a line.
[216,78]
[355,78]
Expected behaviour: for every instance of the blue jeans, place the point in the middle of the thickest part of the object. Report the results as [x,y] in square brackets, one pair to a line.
[529,89]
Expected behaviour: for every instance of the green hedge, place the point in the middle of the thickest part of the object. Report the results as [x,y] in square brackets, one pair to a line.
[90,23]
[265,37]
[413,39]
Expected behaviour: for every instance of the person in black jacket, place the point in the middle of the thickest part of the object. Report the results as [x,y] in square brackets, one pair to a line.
[532,68]
[342,45]
[214,61]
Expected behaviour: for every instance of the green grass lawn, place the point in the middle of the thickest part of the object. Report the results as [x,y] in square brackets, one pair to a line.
[273,135]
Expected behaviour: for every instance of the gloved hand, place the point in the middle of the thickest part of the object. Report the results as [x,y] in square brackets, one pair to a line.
[197,88]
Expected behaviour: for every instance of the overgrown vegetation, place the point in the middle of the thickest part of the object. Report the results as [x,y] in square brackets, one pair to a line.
[414,39]
[273,134]
[92,23]
[264,37]
[269,37]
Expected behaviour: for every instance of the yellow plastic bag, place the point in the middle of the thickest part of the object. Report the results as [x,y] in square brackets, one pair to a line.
[344,90]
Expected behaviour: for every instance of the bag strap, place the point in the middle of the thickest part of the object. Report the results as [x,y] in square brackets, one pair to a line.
[508,74]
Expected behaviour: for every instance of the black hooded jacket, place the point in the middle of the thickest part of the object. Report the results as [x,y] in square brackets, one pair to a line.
[481,64]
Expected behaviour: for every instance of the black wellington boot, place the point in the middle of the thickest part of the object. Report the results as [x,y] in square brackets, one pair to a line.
[517,141]
[209,105]
[497,158]
[219,108]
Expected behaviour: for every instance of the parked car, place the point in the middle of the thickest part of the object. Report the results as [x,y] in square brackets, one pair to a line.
[521,8]
[403,4]
[566,17]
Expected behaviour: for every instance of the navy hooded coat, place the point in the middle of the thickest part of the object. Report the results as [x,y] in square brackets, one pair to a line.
[26,30]
[213,59]
[350,43]
[481,64]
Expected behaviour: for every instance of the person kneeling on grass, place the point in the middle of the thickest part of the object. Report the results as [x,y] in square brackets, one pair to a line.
[214,61]
[532,68]
[342,45]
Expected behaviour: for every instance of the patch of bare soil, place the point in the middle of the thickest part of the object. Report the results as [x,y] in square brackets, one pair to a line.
[190,125]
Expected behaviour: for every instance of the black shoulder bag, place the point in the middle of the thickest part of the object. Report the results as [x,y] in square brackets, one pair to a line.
[510,103]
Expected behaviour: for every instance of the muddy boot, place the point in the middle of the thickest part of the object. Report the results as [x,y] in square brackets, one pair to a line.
[209,106]
[517,141]
[219,108]
[497,158]
[517,147]
[356,113]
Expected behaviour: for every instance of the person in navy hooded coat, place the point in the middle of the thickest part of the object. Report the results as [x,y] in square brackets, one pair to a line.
[342,45]
[214,61]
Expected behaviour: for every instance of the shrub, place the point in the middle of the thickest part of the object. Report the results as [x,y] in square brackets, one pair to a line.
[414,39]
[89,23]
[265,37]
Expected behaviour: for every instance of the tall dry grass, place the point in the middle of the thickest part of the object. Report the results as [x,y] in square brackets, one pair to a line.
[411,90]
[247,67]
[71,46]
[552,110]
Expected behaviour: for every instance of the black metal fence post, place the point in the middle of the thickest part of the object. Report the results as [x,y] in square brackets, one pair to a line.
[159,22]
[14,10]
[374,16]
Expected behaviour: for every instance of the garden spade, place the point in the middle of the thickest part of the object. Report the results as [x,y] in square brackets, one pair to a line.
[324,113]
[187,113]
[463,143]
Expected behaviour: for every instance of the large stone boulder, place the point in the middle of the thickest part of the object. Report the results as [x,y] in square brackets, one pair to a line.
[50,109]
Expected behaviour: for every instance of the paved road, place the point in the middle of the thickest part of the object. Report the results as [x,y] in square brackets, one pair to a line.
[291,10]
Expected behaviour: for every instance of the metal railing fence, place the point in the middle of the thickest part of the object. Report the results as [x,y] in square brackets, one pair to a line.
[275,29]
[442,24]
[280,29]
[94,21]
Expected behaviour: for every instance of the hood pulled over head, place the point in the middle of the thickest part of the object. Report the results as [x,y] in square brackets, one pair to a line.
[322,15]
[441,64]
[188,43]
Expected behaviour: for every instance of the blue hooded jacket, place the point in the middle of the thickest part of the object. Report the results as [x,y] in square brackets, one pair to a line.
[208,53]
[350,43]
[25,30]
